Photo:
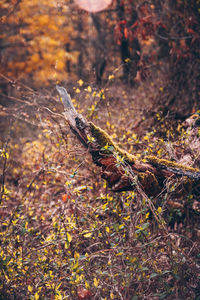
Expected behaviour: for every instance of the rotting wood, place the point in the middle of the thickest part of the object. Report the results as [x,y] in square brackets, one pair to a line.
[116,163]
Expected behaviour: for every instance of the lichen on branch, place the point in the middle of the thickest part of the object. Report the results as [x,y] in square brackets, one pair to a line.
[174,167]
[103,139]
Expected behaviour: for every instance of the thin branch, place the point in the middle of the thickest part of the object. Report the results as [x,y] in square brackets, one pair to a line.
[175,38]
[14,82]
[18,100]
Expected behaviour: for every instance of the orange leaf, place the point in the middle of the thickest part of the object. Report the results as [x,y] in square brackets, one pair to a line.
[190,30]
[64,197]
[125,32]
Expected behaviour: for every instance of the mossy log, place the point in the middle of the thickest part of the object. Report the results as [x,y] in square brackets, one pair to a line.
[120,168]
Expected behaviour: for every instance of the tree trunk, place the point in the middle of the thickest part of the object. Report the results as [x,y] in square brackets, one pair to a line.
[129,46]
[181,90]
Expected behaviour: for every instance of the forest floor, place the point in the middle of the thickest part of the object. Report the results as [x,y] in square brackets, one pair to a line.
[63,233]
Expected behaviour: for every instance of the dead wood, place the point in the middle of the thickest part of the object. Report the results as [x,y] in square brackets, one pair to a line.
[120,168]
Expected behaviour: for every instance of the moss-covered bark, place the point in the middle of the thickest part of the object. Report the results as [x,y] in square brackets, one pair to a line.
[120,168]
[104,140]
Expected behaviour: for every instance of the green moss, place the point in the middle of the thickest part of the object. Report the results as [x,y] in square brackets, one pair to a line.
[103,139]
[169,163]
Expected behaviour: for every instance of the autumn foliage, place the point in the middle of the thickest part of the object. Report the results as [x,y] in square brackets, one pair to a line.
[132,70]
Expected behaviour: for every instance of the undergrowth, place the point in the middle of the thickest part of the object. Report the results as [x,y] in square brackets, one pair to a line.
[65,235]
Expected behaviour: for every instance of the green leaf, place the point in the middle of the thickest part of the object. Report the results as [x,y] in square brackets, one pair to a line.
[153,275]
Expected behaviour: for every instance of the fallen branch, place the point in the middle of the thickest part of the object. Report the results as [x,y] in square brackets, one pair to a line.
[115,162]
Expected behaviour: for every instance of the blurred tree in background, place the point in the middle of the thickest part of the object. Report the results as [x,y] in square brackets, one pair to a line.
[34,42]
[44,41]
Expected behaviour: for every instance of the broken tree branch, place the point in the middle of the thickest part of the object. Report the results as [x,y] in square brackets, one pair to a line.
[151,173]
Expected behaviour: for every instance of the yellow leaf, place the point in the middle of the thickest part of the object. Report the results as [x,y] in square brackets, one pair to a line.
[87,285]
[77,91]
[127,60]
[108,124]
[87,235]
[30,288]
[96,282]
[159,210]
[107,229]
[76,255]
[119,254]
[160,151]
[80,82]
[133,259]
[69,237]
[112,296]
[36,296]
[106,146]
[89,89]
[134,136]
[179,127]
[111,77]
[114,135]
[5,154]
